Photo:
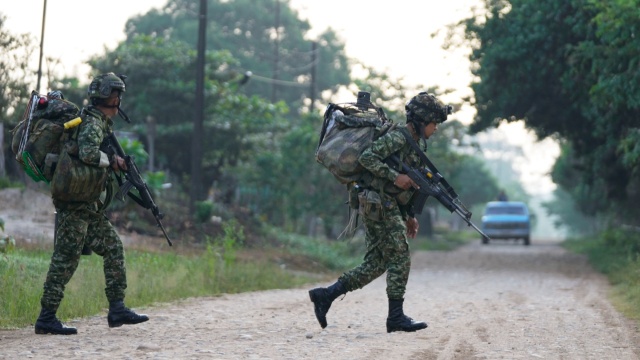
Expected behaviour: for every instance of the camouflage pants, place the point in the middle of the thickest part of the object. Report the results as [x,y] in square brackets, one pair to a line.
[387,250]
[77,226]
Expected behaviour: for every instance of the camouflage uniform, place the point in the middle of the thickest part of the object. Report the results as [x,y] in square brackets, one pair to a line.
[386,208]
[386,236]
[82,223]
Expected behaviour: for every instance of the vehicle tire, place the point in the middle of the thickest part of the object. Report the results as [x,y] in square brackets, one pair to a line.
[527,241]
[485,240]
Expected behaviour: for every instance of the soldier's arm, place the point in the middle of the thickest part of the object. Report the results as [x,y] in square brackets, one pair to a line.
[373,157]
[89,140]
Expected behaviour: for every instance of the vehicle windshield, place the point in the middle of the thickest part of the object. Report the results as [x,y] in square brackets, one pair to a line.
[510,210]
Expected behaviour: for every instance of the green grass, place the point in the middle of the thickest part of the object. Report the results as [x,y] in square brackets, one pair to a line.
[443,240]
[333,254]
[616,254]
[220,266]
[152,278]
[6,183]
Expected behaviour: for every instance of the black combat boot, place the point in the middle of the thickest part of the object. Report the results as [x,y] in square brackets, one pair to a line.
[121,315]
[398,321]
[48,323]
[322,299]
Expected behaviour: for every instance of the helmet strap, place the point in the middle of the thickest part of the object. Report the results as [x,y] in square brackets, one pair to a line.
[418,128]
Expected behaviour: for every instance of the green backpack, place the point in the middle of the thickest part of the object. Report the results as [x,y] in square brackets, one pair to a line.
[36,141]
[347,130]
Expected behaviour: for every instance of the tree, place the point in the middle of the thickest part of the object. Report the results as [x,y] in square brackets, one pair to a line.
[161,85]
[15,51]
[266,37]
[568,69]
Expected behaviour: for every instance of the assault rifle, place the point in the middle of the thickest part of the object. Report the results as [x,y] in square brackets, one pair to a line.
[134,179]
[431,183]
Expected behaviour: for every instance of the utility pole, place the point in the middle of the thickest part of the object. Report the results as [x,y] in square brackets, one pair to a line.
[276,54]
[312,90]
[44,17]
[151,140]
[196,144]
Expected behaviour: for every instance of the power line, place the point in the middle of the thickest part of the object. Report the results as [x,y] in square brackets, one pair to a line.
[303,67]
[279,82]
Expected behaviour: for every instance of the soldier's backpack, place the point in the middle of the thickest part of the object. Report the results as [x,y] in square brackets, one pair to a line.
[36,141]
[347,130]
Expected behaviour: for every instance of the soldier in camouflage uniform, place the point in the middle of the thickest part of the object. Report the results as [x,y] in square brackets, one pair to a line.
[386,207]
[83,222]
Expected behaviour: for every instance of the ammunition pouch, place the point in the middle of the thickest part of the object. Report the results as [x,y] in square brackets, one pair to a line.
[75,181]
[370,205]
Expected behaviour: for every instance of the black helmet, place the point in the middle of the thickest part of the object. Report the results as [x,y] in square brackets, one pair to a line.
[103,85]
[425,108]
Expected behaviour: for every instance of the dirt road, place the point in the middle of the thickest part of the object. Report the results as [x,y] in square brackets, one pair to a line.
[501,301]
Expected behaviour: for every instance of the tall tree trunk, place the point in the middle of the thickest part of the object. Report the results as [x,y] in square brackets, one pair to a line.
[196,145]
[3,170]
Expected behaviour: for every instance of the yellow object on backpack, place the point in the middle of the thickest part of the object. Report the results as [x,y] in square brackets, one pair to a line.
[72,123]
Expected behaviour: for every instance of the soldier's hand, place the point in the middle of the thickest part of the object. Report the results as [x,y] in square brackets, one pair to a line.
[404,182]
[412,227]
[118,163]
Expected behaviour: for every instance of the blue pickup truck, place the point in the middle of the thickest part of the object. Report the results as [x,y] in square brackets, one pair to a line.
[506,220]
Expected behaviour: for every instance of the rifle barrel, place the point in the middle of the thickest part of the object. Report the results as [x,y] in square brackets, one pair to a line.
[470,223]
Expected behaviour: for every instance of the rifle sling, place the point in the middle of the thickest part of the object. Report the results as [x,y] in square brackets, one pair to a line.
[426,160]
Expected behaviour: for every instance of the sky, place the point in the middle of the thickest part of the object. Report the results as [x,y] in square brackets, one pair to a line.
[394,36]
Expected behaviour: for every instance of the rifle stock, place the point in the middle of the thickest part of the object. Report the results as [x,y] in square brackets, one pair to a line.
[133,178]
[431,184]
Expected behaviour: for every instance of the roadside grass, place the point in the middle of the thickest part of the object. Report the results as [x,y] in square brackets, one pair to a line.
[443,240]
[152,278]
[220,266]
[615,253]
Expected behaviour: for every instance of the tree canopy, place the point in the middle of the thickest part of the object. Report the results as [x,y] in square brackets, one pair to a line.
[569,69]
[258,154]
[266,37]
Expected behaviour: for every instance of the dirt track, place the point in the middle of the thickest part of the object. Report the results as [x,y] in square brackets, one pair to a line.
[501,301]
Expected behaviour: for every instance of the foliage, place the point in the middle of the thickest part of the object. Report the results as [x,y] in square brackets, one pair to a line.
[7,243]
[615,252]
[575,221]
[15,51]
[334,255]
[454,157]
[153,278]
[267,38]
[569,69]
[204,211]
[135,149]
[6,182]
[161,82]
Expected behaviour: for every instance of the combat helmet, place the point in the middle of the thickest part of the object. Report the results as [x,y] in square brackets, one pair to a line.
[103,85]
[424,108]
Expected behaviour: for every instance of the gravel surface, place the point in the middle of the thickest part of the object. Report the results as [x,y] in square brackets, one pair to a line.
[498,301]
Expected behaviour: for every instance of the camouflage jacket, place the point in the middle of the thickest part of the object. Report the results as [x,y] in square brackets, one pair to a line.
[91,133]
[82,171]
[372,159]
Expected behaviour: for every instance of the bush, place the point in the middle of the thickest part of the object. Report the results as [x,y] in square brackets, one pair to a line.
[624,240]
[204,211]
[6,183]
